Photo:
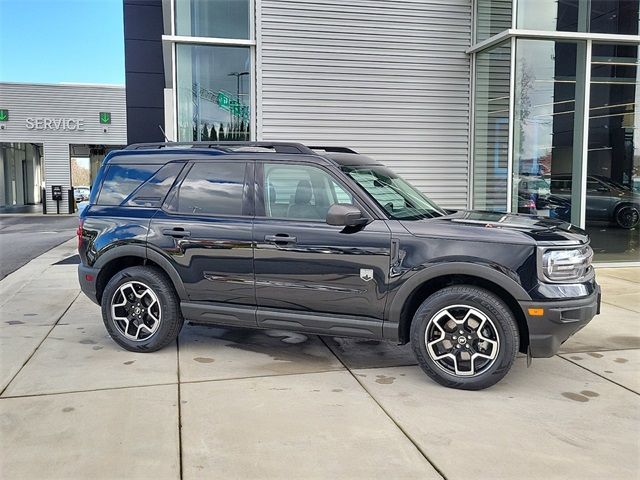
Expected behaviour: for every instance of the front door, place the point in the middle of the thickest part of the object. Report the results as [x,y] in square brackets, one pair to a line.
[311,275]
[204,229]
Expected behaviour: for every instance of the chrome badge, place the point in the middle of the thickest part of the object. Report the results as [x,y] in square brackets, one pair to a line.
[366,274]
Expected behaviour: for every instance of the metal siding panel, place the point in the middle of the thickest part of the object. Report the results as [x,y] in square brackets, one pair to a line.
[387,78]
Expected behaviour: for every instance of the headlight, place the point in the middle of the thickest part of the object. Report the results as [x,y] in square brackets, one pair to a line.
[567,264]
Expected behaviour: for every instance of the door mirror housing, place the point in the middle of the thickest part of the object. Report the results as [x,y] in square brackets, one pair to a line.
[343,215]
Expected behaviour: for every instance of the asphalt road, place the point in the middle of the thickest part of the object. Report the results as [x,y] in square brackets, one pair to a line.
[24,237]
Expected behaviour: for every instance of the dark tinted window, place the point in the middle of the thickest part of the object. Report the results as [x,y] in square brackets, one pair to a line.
[121,180]
[155,189]
[210,188]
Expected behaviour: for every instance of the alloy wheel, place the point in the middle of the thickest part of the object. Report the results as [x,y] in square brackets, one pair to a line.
[462,341]
[136,311]
[628,216]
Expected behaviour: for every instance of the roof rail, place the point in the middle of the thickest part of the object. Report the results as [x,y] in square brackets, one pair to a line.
[334,149]
[278,147]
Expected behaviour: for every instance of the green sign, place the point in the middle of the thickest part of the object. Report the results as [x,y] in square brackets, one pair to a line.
[105,118]
[223,101]
[4,115]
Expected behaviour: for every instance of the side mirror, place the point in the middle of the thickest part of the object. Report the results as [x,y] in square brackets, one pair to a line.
[342,215]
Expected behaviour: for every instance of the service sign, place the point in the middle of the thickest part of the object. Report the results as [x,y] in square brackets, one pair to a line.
[55,124]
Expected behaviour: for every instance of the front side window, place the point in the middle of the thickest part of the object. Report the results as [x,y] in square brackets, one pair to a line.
[121,180]
[300,192]
[210,188]
[398,198]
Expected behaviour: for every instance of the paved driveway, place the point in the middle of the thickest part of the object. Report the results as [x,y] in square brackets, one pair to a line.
[24,237]
[233,403]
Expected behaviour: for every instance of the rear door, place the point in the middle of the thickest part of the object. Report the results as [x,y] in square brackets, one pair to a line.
[303,265]
[205,229]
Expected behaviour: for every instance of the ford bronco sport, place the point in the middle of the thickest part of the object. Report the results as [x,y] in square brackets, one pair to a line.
[323,240]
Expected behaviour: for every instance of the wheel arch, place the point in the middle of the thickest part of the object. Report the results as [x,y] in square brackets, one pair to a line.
[127,256]
[407,301]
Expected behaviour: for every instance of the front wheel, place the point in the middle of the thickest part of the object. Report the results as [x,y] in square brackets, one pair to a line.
[141,310]
[627,216]
[465,337]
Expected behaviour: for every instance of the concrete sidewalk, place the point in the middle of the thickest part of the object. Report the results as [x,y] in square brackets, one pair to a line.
[232,403]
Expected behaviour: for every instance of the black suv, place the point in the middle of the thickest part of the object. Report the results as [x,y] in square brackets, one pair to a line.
[324,240]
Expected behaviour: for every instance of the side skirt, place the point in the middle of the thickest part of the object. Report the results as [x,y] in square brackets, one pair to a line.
[252,317]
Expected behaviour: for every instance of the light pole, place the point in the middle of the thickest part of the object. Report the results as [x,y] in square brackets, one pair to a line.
[237,113]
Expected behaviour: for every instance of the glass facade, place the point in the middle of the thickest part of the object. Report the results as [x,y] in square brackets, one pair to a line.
[214,92]
[491,132]
[213,18]
[613,158]
[213,57]
[560,139]
[594,16]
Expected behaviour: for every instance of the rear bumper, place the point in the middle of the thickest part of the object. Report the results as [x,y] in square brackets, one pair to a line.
[87,277]
[561,319]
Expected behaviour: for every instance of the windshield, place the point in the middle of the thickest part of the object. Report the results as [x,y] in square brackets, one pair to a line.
[398,198]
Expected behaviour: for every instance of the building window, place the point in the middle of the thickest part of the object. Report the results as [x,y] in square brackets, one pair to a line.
[545,127]
[492,17]
[613,157]
[214,92]
[213,18]
[596,16]
[491,131]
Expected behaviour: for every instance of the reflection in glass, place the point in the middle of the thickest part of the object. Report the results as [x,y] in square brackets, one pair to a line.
[545,123]
[213,18]
[614,16]
[492,17]
[613,163]
[491,134]
[597,16]
[214,93]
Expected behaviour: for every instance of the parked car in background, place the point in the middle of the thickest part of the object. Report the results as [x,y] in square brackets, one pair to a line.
[81,194]
[606,200]
[325,241]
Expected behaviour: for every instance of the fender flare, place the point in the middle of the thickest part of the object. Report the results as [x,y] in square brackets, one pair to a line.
[483,272]
[141,251]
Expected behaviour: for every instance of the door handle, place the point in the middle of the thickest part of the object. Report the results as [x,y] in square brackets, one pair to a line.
[280,239]
[177,232]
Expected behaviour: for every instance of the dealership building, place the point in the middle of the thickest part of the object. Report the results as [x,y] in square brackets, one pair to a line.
[512,105]
[53,138]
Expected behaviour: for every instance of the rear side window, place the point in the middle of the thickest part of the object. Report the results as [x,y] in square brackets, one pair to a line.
[121,180]
[210,188]
[151,193]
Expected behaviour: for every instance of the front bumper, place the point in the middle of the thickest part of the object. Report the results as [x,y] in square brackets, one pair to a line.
[88,277]
[561,319]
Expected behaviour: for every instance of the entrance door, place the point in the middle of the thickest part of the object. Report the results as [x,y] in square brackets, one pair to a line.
[311,275]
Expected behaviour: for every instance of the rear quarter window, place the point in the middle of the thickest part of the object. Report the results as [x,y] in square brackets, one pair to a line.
[121,180]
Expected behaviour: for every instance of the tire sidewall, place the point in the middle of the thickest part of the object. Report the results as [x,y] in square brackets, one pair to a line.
[488,304]
[620,210]
[166,297]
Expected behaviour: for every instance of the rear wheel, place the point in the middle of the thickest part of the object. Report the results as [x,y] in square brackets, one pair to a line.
[464,337]
[141,310]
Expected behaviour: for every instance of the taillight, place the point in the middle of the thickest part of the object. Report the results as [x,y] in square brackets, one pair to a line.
[79,233]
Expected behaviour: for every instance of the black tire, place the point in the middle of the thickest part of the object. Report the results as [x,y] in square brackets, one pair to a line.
[627,216]
[170,316]
[497,318]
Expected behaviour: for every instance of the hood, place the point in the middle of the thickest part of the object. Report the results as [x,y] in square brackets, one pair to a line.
[497,227]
